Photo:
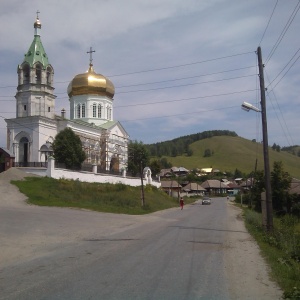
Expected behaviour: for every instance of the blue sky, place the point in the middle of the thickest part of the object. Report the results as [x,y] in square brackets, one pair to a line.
[179,67]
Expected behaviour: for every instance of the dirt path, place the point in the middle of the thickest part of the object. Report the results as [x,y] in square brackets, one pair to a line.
[244,264]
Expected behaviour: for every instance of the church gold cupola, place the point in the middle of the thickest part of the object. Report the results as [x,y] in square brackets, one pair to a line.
[35,80]
[91,96]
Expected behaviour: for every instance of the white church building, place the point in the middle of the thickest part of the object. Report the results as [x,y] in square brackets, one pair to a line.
[31,133]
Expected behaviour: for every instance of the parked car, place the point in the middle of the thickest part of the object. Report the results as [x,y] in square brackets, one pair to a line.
[206,201]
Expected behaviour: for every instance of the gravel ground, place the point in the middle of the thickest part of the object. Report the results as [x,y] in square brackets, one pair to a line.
[60,225]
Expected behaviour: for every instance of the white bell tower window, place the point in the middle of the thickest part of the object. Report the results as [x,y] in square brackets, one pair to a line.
[99,111]
[94,110]
[83,111]
[78,111]
[38,74]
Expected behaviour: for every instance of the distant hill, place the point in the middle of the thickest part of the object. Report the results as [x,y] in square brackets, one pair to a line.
[228,153]
[181,145]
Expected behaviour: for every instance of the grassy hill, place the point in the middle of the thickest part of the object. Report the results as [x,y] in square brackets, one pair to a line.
[230,153]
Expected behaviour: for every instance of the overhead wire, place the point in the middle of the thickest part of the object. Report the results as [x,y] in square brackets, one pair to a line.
[282,116]
[268,23]
[283,33]
[285,68]
[188,84]
[181,65]
[182,114]
[165,68]
[169,101]
[183,78]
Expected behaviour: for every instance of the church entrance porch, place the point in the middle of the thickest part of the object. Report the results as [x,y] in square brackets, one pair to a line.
[114,164]
[23,150]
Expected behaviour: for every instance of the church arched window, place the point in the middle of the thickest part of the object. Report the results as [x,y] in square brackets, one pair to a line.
[94,110]
[78,111]
[26,74]
[99,111]
[38,74]
[108,113]
[83,111]
[48,76]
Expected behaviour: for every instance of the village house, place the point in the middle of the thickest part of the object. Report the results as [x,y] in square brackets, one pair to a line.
[214,187]
[171,187]
[6,159]
[194,189]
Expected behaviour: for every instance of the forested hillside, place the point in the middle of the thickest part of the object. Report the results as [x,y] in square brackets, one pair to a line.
[229,153]
[181,145]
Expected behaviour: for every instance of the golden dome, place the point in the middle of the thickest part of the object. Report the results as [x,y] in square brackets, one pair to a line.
[37,23]
[91,83]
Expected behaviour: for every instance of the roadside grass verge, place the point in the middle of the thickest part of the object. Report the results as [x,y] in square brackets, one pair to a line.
[102,197]
[281,249]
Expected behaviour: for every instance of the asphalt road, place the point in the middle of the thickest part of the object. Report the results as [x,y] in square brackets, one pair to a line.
[54,253]
[177,256]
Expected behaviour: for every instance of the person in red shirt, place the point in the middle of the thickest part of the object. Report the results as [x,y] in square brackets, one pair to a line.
[181,202]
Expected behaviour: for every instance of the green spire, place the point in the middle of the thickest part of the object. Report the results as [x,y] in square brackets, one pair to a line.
[36,52]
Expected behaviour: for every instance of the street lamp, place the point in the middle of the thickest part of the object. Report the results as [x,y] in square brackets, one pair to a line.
[267,208]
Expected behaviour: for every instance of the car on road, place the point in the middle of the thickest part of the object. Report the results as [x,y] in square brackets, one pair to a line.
[206,201]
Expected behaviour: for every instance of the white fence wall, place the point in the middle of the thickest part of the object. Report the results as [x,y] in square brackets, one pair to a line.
[94,177]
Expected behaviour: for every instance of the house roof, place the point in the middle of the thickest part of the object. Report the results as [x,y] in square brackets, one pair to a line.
[165,172]
[170,184]
[206,170]
[193,186]
[7,152]
[213,183]
[233,185]
[180,169]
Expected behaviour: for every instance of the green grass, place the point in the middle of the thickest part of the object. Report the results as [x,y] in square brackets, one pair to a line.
[281,250]
[112,198]
[232,153]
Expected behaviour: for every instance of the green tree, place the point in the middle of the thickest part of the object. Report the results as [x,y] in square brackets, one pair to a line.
[155,167]
[165,164]
[67,148]
[280,182]
[238,174]
[257,188]
[138,157]
[207,153]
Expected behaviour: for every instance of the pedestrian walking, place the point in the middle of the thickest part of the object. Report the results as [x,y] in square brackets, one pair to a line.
[181,202]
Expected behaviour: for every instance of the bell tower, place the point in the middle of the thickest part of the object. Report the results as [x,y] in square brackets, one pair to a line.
[35,80]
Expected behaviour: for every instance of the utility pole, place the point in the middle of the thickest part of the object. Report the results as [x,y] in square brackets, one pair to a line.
[268,206]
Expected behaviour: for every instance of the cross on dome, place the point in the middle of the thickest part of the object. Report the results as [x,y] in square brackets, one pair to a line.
[91,55]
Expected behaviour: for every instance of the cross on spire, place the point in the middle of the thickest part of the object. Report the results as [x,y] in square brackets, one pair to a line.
[91,55]
[37,14]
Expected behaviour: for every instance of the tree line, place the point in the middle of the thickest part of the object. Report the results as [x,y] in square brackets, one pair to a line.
[180,145]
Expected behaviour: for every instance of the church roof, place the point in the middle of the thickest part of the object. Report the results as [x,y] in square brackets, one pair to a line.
[36,51]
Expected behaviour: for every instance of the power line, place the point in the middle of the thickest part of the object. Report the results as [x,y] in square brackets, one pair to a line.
[186,99]
[168,87]
[182,65]
[188,84]
[165,68]
[173,100]
[182,114]
[183,78]
[268,23]
[285,29]
[285,67]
